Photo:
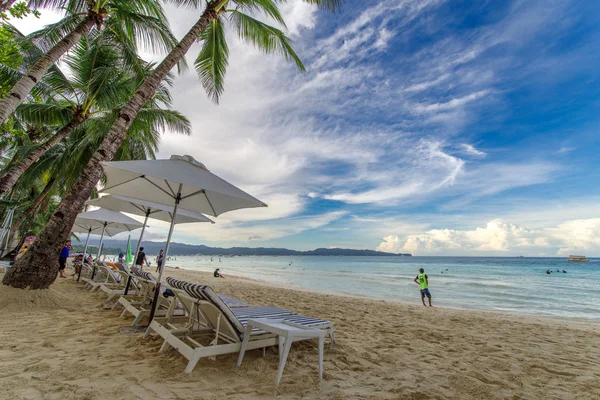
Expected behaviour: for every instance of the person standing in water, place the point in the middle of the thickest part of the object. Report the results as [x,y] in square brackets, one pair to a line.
[423,283]
[160,259]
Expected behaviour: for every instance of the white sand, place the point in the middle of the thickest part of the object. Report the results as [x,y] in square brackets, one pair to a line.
[384,351]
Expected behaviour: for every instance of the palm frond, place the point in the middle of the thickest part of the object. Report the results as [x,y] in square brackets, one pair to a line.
[162,120]
[268,7]
[45,114]
[330,5]
[9,76]
[51,34]
[211,63]
[185,3]
[265,37]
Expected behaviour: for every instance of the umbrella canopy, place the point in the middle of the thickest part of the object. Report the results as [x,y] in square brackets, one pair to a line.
[107,222]
[142,207]
[112,222]
[181,182]
[147,209]
[161,180]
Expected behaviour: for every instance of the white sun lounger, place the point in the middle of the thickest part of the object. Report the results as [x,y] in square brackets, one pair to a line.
[108,278]
[140,306]
[222,326]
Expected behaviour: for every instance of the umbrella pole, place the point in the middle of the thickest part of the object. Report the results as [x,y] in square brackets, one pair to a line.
[99,250]
[137,250]
[164,264]
[84,253]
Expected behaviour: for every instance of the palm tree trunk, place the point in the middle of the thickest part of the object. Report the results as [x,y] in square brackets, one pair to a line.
[5,5]
[37,268]
[9,176]
[33,207]
[19,92]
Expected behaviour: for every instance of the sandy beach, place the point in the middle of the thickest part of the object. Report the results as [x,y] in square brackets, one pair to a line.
[61,344]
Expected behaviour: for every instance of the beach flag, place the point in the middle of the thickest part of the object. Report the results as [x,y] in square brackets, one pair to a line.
[129,256]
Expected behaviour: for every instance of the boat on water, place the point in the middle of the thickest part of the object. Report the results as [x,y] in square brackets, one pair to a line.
[577,259]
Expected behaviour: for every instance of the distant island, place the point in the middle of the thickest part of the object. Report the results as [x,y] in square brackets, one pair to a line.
[113,247]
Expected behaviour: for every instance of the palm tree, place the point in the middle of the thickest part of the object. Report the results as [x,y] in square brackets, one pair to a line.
[39,188]
[96,85]
[37,269]
[129,22]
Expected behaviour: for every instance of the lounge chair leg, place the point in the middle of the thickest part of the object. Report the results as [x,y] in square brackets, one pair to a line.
[192,364]
[321,349]
[244,345]
[137,319]
[165,346]
[280,342]
[123,313]
[283,359]
[147,333]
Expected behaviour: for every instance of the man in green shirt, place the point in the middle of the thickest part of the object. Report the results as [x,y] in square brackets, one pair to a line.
[422,281]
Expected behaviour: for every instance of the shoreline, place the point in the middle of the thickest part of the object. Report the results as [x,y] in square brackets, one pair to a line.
[376,299]
[383,350]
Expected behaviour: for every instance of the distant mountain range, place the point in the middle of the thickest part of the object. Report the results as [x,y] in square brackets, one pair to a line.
[180,249]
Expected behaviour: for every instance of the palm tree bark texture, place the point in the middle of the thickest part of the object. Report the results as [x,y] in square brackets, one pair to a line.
[37,269]
[19,92]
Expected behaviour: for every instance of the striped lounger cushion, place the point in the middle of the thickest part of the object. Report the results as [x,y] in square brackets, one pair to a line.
[143,274]
[182,285]
[238,317]
[279,313]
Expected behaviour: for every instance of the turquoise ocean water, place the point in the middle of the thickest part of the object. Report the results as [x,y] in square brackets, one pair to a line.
[513,285]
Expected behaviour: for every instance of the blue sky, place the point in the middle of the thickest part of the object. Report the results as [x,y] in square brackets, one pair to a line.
[432,127]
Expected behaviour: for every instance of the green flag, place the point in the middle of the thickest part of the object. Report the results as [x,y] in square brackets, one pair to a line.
[129,256]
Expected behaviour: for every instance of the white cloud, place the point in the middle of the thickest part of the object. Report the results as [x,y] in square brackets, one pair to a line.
[450,104]
[298,15]
[419,87]
[499,237]
[564,150]
[577,235]
[234,232]
[469,149]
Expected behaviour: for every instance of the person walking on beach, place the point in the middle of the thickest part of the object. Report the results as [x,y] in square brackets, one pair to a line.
[159,260]
[423,283]
[141,258]
[62,258]
[121,257]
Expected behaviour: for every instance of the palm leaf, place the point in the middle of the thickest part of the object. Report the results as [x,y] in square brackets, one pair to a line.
[265,37]
[45,114]
[267,7]
[211,63]
[330,5]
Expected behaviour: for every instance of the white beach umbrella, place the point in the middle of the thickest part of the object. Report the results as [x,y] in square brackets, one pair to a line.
[147,209]
[106,222]
[181,182]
